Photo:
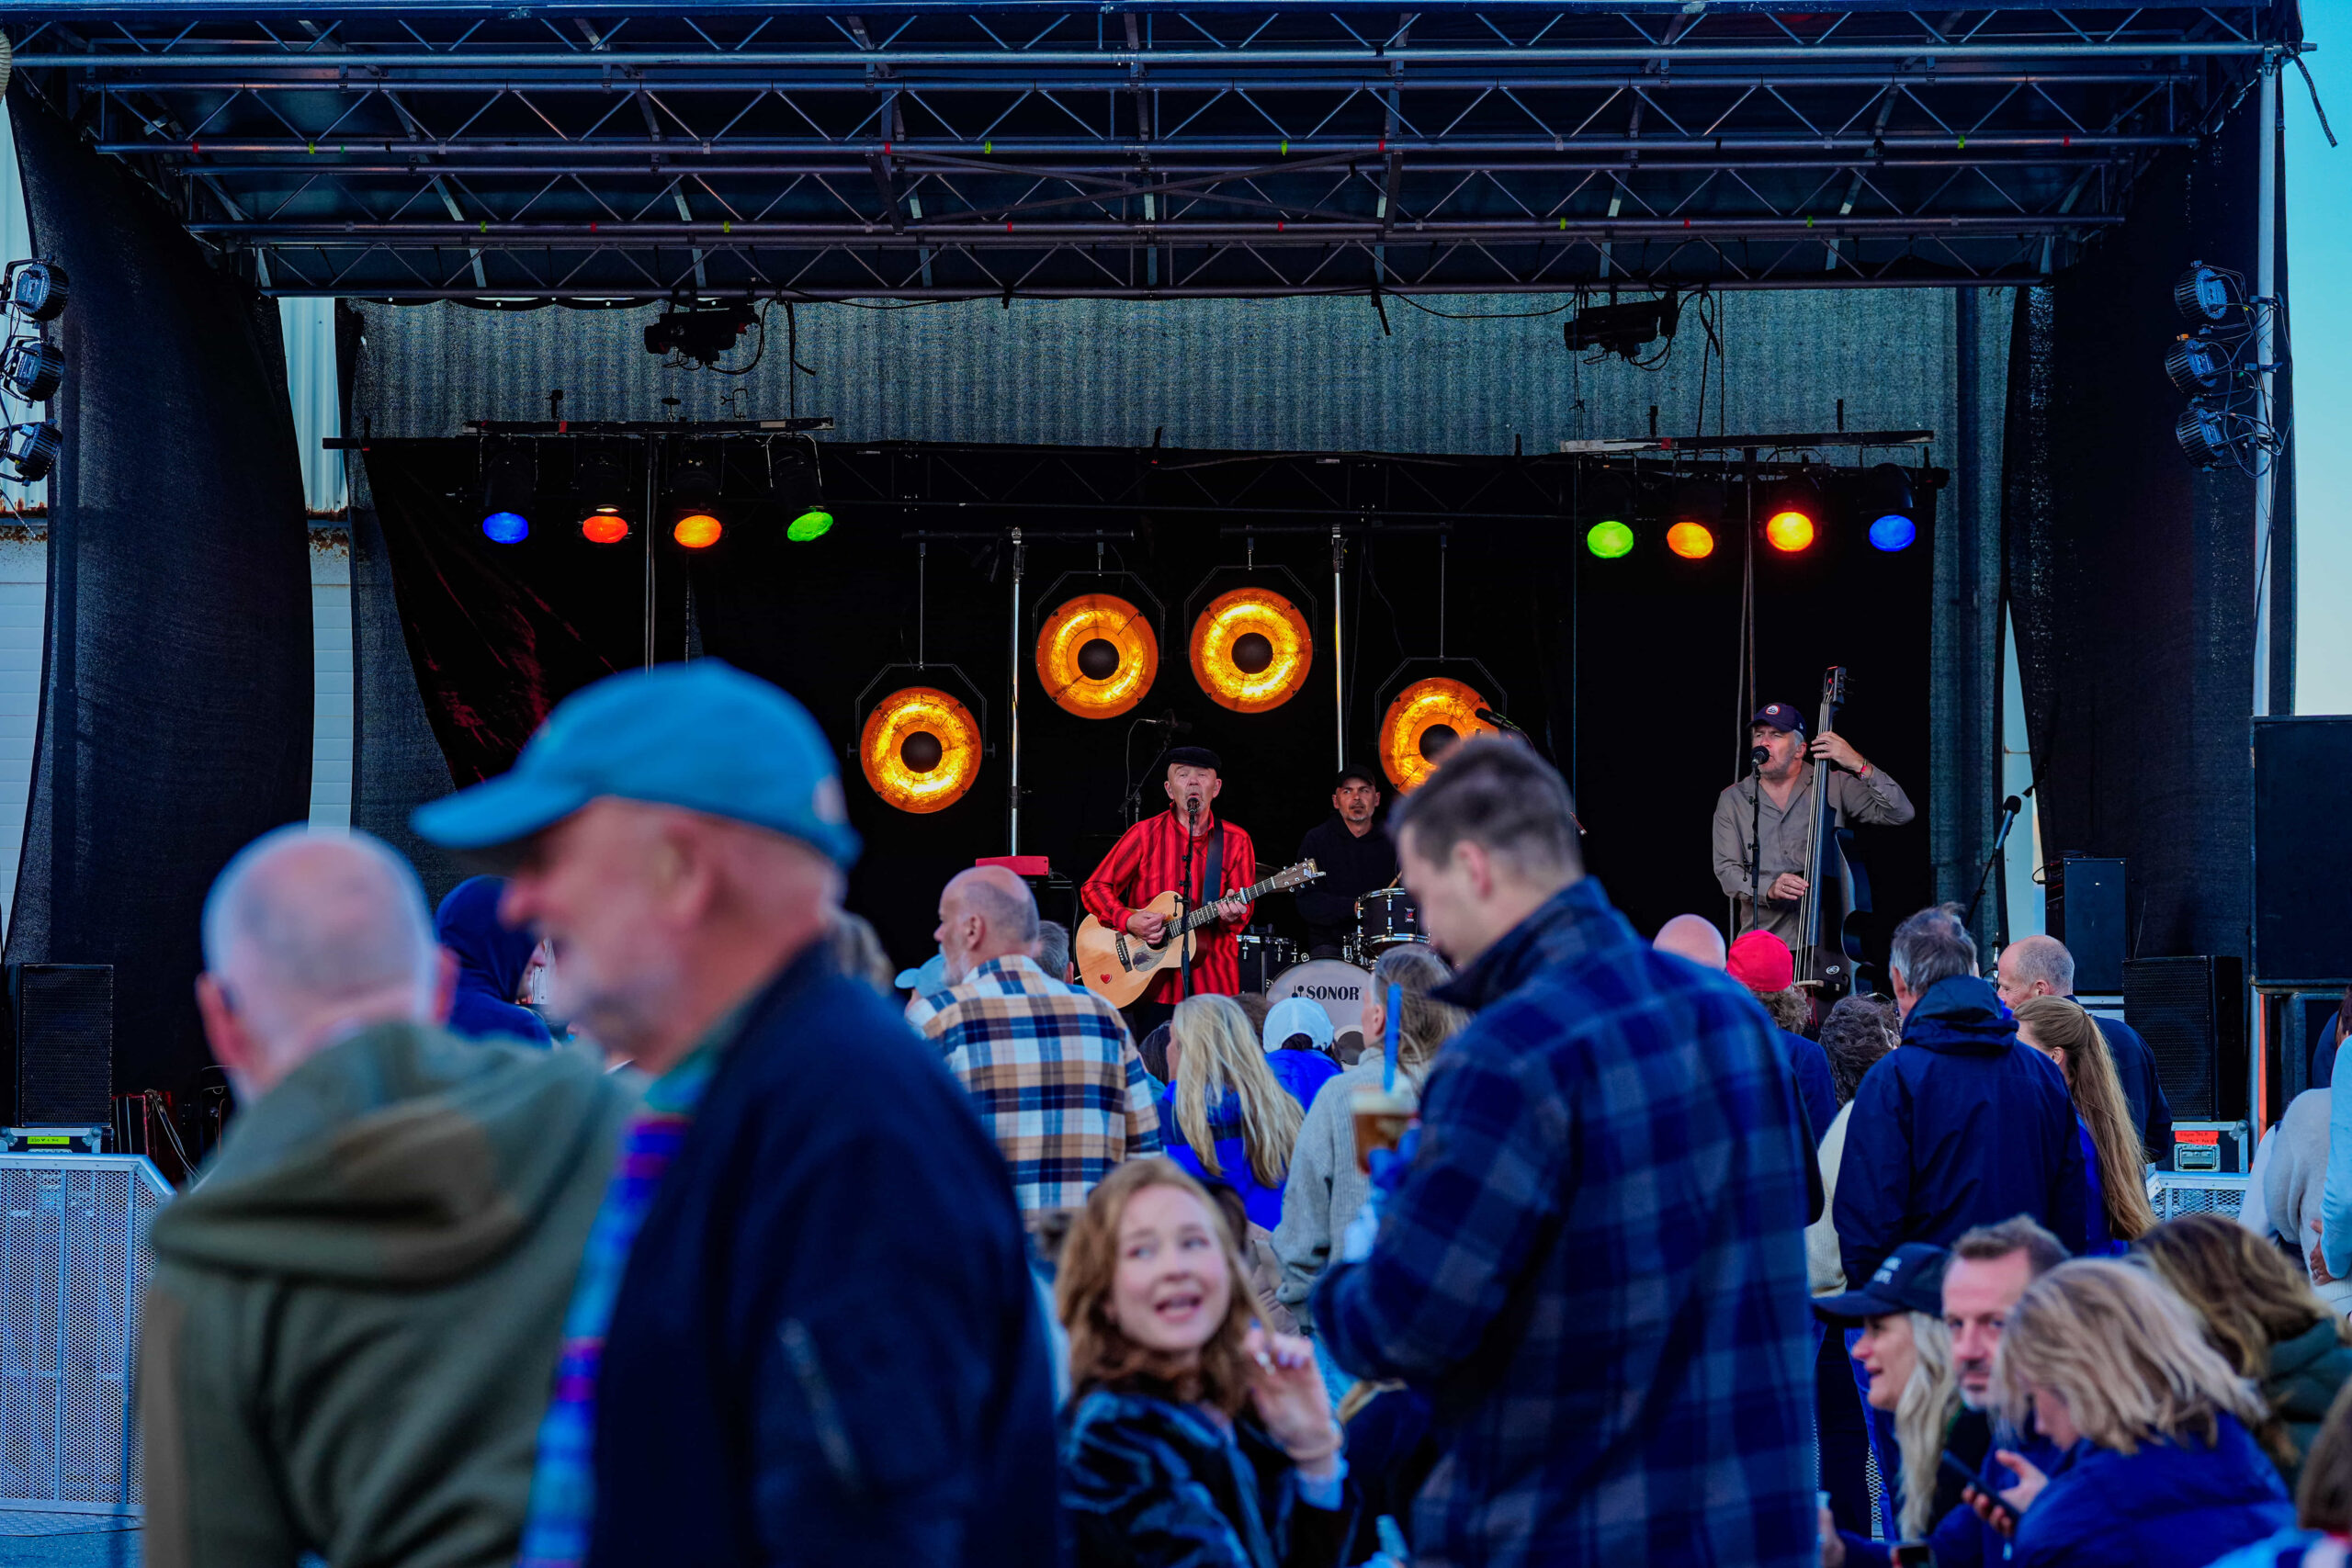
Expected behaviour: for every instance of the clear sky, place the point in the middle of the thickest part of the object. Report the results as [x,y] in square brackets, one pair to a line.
[2319,270]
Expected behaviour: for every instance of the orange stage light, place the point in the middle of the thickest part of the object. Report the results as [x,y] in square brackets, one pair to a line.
[604,526]
[1789,530]
[697,531]
[1251,650]
[920,750]
[1691,541]
[1096,656]
[1426,717]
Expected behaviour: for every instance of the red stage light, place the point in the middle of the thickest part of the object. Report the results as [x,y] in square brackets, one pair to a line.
[697,531]
[1789,530]
[604,526]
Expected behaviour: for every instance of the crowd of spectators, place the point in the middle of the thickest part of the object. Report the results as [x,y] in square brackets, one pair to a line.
[767,1255]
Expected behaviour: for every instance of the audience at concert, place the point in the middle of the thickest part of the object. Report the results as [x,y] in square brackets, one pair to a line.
[1858,1031]
[857,953]
[1762,962]
[2115,1207]
[1053,952]
[807,1220]
[1904,1349]
[1299,1038]
[2041,967]
[2159,1467]
[1195,1438]
[2322,1503]
[2259,1313]
[1048,1067]
[492,959]
[1959,1126]
[2287,1187]
[1225,1115]
[1611,1315]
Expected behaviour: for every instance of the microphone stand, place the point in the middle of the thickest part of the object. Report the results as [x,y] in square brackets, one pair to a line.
[2009,809]
[1185,902]
[1755,839]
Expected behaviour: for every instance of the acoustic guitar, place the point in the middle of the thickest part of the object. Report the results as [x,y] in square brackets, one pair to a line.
[1118,964]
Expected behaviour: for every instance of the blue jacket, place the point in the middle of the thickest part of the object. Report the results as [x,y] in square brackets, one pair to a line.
[826,1349]
[1264,1202]
[1152,1484]
[1816,1089]
[2174,1504]
[1595,1266]
[491,960]
[1959,1126]
[1303,1072]
[1958,1538]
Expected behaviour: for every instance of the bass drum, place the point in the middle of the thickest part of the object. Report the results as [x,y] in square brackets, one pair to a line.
[1338,989]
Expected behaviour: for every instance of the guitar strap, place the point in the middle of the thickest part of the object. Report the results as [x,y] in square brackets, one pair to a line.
[1213,878]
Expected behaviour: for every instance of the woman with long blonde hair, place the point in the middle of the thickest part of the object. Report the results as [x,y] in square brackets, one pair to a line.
[1225,1117]
[2159,1469]
[2060,1028]
[1904,1350]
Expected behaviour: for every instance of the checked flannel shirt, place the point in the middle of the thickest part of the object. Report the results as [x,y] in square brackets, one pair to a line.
[1595,1267]
[1051,1071]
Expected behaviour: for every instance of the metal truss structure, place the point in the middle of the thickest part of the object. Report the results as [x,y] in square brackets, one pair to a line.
[1138,149]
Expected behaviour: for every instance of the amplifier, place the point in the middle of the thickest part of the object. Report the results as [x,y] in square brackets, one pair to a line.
[2191,1011]
[63,1017]
[2084,905]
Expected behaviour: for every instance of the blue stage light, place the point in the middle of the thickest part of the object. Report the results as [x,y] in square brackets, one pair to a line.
[1894,532]
[506,528]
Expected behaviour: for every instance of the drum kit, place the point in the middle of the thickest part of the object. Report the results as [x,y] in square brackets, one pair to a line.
[1385,918]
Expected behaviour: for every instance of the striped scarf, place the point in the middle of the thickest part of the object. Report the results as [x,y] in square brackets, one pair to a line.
[564,1485]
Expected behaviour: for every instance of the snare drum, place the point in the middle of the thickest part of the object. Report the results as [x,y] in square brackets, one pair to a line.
[1338,989]
[1262,958]
[1388,916]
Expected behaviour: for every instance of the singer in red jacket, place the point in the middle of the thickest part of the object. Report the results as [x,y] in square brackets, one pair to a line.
[1149,860]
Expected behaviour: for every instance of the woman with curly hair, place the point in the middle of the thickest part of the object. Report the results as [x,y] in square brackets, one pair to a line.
[1197,1439]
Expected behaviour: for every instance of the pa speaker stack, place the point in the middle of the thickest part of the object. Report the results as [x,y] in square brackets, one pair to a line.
[62,1035]
[2302,854]
[2191,1011]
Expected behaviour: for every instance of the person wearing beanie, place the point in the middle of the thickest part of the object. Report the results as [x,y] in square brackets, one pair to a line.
[1762,962]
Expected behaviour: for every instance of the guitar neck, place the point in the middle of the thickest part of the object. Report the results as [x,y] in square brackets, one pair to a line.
[1207,912]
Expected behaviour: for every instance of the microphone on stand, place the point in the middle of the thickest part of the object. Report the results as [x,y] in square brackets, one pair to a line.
[1759,755]
[1489,716]
[1168,722]
[2009,809]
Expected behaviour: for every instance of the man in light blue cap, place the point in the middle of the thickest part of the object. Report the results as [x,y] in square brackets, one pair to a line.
[1297,1038]
[803,1329]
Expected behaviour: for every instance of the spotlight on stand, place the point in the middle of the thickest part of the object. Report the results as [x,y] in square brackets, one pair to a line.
[1608,502]
[32,369]
[1698,513]
[1887,503]
[693,484]
[29,451]
[1623,329]
[1791,518]
[509,484]
[37,289]
[2204,293]
[792,486]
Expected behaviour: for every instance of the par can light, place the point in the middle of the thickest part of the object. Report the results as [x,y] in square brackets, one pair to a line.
[33,369]
[1894,532]
[604,526]
[697,531]
[29,451]
[1691,541]
[37,288]
[1609,540]
[813,524]
[1789,532]
[2202,294]
[506,528]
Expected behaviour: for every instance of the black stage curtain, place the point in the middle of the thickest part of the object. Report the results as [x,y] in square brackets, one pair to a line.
[1625,670]
[175,694]
[2130,575]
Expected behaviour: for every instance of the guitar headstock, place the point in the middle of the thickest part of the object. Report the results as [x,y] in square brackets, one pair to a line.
[1833,686]
[1298,875]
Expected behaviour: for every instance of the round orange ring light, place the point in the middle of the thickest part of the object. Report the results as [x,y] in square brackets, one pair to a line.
[1251,650]
[1425,716]
[920,750]
[1096,656]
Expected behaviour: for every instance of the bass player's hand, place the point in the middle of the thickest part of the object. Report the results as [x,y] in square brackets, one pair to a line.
[1788,888]
[1146,925]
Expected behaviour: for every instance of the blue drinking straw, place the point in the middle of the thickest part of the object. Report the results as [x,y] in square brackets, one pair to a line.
[1388,1040]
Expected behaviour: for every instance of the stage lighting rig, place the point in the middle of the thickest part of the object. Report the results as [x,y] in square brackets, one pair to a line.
[702,334]
[1625,329]
[2197,365]
[36,291]
[2208,294]
[29,451]
[510,484]
[32,369]
[796,484]
[1887,503]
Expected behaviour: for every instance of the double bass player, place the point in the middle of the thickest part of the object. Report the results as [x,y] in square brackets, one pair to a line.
[1762,843]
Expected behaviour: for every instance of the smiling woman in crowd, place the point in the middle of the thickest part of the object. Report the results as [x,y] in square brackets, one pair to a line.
[1197,1439]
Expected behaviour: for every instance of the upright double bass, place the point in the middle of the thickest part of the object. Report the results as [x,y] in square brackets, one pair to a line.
[1837,888]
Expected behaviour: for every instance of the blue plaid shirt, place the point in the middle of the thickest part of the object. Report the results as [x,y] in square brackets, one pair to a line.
[1596,1266]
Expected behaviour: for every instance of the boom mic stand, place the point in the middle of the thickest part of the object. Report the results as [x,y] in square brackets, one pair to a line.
[1185,902]
[2009,809]
[1756,758]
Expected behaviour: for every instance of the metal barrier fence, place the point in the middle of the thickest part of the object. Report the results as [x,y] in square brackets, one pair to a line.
[74,1270]
[2175,1194]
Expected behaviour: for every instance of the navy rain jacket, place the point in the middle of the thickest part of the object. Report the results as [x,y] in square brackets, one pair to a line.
[2175,1503]
[491,960]
[827,1350]
[1958,1126]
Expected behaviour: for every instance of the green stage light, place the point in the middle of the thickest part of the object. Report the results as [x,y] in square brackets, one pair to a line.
[813,524]
[1609,540]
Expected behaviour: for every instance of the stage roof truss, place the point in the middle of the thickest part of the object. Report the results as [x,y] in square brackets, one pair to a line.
[1149,151]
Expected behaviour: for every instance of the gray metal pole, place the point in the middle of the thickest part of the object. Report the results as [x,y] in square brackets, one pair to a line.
[2266,312]
[652,458]
[1339,664]
[1013,834]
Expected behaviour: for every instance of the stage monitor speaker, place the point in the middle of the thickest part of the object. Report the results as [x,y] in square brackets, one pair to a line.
[2083,898]
[2191,1011]
[2302,852]
[63,1016]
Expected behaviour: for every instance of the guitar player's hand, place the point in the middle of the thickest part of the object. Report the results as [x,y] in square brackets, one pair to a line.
[1788,888]
[1232,911]
[1146,925]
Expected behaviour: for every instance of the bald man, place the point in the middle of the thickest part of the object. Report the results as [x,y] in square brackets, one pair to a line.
[1693,937]
[1050,1066]
[355,1313]
[2041,967]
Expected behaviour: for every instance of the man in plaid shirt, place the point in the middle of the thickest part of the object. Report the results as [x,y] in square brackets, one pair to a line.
[1594,1264]
[1050,1069]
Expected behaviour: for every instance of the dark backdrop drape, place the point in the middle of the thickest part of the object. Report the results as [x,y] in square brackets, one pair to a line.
[1625,670]
[176,684]
[2130,575]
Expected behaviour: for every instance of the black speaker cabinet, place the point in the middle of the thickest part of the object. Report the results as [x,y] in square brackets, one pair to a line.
[2084,899]
[2302,852]
[2191,1011]
[63,1034]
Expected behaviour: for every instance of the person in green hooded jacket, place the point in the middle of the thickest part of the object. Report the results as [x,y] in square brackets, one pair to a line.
[357,1309]
[2258,1310]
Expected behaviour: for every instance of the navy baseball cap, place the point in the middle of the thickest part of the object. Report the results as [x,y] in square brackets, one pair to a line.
[702,735]
[1782,716]
[1353,771]
[1911,1280]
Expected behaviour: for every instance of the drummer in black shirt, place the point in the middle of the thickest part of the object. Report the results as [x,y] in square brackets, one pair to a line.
[1354,856]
